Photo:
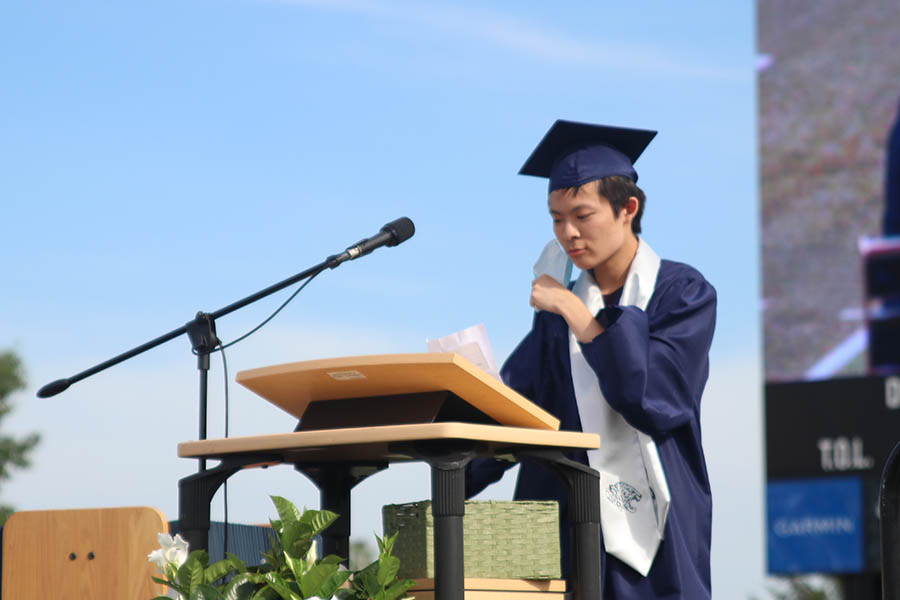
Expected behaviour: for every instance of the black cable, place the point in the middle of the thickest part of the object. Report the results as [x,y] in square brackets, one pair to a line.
[225,368]
[272,316]
[221,348]
[225,485]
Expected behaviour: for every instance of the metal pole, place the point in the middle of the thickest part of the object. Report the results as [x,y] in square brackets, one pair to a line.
[203,366]
[448,506]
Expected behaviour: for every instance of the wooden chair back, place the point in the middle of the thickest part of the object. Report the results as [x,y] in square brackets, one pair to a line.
[85,553]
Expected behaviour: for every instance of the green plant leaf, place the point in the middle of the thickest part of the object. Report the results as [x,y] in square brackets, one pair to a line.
[220,569]
[367,580]
[260,569]
[286,509]
[333,584]
[173,585]
[332,559]
[386,546]
[398,589]
[313,580]
[296,539]
[281,587]
[318,520]
[372,566]
[201,556]
[241,587]
[312,554]
[205,592]
[266,593]
[296,566]
[276,525]
[346,594]
[274,556]
[236,563]
[171,571]
[387,569]
[274,560]
[190,574]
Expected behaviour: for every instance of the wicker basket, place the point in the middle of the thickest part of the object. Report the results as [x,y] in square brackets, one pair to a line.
[507,540]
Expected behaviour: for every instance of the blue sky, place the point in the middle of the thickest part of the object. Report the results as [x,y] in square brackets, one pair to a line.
[167,157]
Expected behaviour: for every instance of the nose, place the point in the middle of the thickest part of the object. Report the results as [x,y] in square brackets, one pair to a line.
[568,230]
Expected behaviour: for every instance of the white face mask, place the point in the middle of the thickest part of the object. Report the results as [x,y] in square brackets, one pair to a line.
[555,263]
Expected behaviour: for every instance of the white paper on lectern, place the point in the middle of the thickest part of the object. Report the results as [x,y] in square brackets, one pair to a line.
[472,344]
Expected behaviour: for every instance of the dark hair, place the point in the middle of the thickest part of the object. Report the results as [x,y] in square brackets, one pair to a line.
[618,189]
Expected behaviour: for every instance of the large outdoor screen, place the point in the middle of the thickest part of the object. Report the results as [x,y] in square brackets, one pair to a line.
[829,94]
[829,89]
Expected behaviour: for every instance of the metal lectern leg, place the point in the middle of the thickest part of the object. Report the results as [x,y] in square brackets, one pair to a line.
[448,460]
[583,484]
[335,481]
[449,563]
[448,506]
[195,492]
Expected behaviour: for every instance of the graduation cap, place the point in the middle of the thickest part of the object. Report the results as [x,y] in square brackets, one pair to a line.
[572,154]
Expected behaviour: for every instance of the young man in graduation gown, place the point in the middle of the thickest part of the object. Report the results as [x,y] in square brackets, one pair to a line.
[622,352]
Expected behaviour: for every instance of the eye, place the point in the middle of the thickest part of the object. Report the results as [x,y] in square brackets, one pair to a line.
[584,216]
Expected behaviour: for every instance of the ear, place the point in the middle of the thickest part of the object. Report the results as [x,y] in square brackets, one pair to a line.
[629,211]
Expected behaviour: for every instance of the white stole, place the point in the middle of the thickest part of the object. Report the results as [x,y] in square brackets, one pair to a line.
[634,496]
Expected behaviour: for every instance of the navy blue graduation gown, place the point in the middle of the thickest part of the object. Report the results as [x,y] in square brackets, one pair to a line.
[652,367]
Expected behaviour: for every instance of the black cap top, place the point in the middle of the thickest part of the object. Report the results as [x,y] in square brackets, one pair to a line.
[572,154]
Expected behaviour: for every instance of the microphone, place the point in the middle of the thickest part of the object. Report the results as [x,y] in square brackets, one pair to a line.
[393,233]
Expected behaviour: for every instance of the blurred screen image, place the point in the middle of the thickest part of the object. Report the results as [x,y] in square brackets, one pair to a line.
[829,95]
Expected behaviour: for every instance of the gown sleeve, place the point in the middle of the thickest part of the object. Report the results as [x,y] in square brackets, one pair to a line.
[652,366]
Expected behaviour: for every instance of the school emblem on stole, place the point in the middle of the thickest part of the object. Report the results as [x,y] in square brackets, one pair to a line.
[623,496]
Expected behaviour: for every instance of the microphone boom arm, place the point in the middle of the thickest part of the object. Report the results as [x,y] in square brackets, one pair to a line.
[202,329]
[60,385]
[393,233]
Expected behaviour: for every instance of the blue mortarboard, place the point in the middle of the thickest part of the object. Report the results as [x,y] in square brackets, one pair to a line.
[572,154]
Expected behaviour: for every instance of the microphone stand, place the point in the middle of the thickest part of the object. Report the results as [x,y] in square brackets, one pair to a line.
[202,334]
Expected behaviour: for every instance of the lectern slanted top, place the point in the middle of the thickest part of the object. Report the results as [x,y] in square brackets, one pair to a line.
[294,386]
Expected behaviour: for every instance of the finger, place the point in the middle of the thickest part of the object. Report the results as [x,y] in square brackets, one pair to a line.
[547,282]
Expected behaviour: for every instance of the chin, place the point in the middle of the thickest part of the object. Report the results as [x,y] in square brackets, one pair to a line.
[584,263]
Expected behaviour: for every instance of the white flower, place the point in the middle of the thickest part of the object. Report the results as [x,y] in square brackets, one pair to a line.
[171,551]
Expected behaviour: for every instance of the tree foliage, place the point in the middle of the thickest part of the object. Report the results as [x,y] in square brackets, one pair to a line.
[14,452]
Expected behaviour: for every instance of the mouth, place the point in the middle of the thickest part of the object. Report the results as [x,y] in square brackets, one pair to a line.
[573,252]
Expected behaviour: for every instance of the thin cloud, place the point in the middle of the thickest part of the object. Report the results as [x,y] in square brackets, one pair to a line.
[527,39]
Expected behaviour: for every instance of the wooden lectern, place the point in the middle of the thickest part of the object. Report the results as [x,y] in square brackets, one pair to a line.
[358,414]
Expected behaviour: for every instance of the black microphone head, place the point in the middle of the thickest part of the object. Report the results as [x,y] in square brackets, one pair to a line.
[400,230]
[53,388]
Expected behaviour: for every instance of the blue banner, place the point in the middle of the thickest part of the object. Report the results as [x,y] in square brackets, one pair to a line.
[815,526]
